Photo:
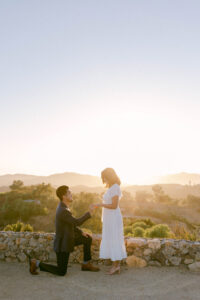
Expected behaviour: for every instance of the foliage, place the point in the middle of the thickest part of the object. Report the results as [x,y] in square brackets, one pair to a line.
[138,232]
[180,232]
[127,230]
[13,206]
[159,194]
[19,226]
[140,224]
[159,231]
[192,201]
[16,185]
[80,206]
[142,196]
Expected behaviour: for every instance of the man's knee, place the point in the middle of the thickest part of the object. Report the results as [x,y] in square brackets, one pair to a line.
[88,239]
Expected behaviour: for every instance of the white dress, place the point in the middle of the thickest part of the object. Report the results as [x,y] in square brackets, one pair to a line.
[112,243]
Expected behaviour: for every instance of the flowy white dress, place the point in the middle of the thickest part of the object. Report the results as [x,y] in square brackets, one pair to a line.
[112,243]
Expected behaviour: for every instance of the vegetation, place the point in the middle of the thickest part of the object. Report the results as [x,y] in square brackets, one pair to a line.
[146,215]
[19,226]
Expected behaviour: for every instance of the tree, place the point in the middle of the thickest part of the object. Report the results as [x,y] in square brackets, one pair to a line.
[16,185]
[159,194]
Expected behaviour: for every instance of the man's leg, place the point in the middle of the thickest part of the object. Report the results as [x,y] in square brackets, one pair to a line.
[86,242]
[61,268]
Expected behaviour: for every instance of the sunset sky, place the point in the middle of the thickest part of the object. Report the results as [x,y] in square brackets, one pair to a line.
[92,84]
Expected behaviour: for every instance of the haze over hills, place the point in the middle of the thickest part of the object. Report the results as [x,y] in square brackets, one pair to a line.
[175,185]
[76,179]
[179,178]
[68,178]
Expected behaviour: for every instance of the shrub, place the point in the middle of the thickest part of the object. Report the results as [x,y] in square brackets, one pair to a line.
[148,222]
[140,224]
[138,232]
[127,230]
[159,231]
[180,232]
[19,226]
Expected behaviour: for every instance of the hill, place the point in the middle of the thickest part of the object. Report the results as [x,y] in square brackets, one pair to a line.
[180,178]
[68,178]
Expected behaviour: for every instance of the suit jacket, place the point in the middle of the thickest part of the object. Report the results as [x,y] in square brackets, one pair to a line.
[66,228]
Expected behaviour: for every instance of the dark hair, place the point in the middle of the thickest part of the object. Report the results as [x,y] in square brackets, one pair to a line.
[61,191]
[111,176]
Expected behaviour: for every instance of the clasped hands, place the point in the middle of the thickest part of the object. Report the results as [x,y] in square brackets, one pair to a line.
[93,206]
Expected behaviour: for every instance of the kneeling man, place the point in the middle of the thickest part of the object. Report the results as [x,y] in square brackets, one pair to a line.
[67,236]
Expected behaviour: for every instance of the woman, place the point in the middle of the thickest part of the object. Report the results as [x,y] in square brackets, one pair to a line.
[112,244]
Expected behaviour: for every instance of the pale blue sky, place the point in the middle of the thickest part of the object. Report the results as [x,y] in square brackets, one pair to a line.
[91,84]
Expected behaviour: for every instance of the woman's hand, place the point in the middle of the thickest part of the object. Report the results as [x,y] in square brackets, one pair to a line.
[96,205]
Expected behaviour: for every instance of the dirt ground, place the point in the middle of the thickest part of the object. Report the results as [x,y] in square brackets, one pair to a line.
[16,283]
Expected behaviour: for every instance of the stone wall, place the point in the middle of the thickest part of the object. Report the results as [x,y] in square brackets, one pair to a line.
[141,252]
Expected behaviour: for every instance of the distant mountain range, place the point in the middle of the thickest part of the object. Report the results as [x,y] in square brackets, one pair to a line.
[175,185]
[180,178]
[71,179]
[76,179]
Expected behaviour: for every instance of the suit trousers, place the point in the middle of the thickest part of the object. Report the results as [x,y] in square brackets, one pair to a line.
[63,257]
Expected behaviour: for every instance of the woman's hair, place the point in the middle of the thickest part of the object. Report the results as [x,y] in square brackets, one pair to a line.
[61,191]
[111,176]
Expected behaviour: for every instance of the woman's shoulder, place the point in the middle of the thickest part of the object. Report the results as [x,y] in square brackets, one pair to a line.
[115,186]
[115,189]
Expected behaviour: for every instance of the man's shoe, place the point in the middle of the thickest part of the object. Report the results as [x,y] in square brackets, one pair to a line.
[89,267]
[33,267]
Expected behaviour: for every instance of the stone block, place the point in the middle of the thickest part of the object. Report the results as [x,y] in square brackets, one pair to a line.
[154,244]
[194,267]
[134,261]
[136,242]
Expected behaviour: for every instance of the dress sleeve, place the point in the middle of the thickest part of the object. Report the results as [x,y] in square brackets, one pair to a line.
[115,191]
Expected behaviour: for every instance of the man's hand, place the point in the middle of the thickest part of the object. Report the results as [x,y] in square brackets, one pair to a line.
[86,234]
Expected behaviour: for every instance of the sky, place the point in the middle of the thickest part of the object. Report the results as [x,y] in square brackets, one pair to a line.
[86,85]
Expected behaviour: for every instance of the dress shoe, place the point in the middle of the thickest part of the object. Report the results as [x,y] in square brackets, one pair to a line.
[89,267]
[33,267]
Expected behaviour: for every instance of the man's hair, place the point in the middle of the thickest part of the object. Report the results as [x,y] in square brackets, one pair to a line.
[61,191]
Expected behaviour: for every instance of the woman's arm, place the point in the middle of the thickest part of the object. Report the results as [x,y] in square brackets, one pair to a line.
[114,204]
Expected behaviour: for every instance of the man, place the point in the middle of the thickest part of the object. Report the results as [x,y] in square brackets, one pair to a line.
[67,236]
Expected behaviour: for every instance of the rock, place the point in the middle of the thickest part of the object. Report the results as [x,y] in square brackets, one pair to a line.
[168,242]
[138,252]
[154,244]
[2,256]
[194,267]
[197,256]
[183,247]
[33,242]
[136,242]
[168,251]
[134,261]
[188,261]
[147,252]
[174,260]
[159,256]
[22,257]
[3,246]
[154,263]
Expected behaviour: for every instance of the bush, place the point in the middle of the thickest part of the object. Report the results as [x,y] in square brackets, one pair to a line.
[127,230]
[180,232]
[140,224]
[138,232]
[19,226]
[159,231]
